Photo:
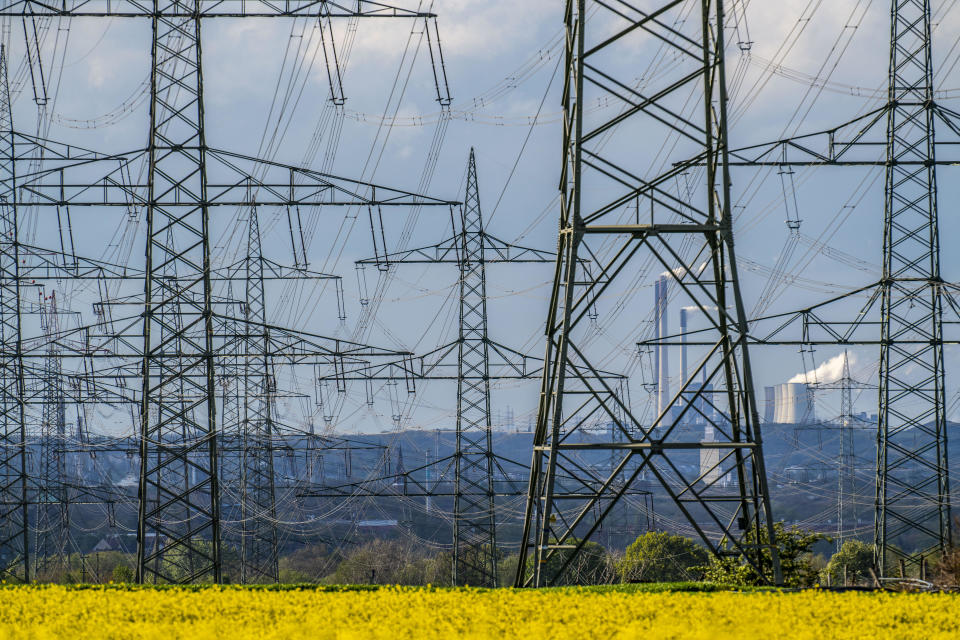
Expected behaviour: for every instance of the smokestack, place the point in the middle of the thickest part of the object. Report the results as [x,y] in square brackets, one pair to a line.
[656,338]
[683,359]
[770,396]
[683,344]
[663,362]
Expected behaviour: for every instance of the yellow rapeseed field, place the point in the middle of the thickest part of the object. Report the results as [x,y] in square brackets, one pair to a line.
[41,612]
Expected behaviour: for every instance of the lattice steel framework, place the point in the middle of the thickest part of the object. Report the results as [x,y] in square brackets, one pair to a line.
[475,464]
[474,521]
[14,517]
[258,511]
[614,211]
[912,503]
[179,517]
[52,527]
[913,493]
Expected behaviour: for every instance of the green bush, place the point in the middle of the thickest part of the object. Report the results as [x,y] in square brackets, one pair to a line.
[795,548]
[856,556]
[662,557]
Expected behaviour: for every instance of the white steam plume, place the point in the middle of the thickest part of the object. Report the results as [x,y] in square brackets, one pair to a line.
[829,371]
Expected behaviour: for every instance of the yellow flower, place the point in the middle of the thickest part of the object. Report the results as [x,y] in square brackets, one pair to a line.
[39,612]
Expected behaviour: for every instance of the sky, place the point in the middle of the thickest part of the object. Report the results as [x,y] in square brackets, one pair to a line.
[795,66]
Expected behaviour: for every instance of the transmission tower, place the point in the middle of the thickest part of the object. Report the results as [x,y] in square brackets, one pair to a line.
[847,465]
[611,212]
[179,519]
[845,471]
[14,517]
[474,521]
[912,501]
[177,412]
[53,502]
[259,552]
[913,491]
[475,465]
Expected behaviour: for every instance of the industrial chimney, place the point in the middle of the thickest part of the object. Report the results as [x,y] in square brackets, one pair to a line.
[683,345]
[663,362]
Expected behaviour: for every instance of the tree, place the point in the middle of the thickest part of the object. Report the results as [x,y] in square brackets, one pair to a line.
[391,562]
[306,564]
[856,556]
[662,557]
[178,563]
[123,574]
[796,553]
[947,569]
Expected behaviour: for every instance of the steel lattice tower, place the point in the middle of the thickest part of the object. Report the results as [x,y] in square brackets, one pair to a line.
[53,505]
[474,522]
[475,465]
[258,552]
[912,500]
[178,410]
[846,475]
[14,520]
[612,210]
[913,493]
[179,515]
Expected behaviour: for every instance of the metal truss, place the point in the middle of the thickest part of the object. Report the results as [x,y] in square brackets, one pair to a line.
[258,551]
[913,491]
[179,512]
[847,425]
[903,312]
[474,518]
[613,213]
[178,532]
[474,514]
[14,509]
[53,493]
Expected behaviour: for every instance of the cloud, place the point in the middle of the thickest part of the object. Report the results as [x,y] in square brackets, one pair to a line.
[679,272]
[829,371]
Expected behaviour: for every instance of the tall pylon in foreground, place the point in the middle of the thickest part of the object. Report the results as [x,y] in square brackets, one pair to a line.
[912,519]
[913,491]
[14,519]
[179,521]
[630,221]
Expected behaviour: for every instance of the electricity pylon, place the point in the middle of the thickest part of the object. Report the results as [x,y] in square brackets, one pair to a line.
[259,553]
[179,519]
[912,501]
[475,465]
[14,517]
[849,424]
[474,518]
[53,499]
[613,210]
[913,490]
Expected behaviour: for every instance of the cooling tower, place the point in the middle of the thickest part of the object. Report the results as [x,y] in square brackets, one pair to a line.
[794,403]
[709,459]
